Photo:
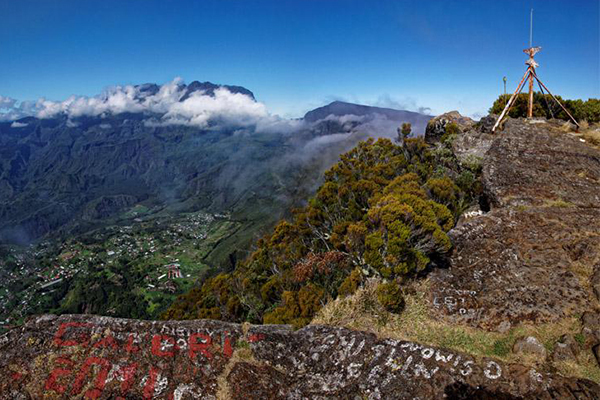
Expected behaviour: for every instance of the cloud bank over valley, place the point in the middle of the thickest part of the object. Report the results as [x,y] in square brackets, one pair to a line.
[173,103]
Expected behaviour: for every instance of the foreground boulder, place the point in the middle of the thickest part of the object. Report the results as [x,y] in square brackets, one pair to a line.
[102,358]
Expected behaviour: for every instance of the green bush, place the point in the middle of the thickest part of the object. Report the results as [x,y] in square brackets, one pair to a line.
[406,130]
[351,283]
[389,295]
[545,106]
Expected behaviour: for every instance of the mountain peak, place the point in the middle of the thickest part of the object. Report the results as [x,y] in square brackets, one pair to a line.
[150,89]
[209,89]
[339,108]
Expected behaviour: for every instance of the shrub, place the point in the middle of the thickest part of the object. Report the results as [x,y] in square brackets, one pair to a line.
[443,190]
[451,131]
[545,106]
[298,307]
[351,283]
[389,295]
[406,129]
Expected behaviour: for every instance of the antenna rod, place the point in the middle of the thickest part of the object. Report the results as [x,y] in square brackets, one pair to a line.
[531,28]
[532,66]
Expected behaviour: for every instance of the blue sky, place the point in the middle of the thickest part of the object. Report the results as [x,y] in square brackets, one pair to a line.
[297,55]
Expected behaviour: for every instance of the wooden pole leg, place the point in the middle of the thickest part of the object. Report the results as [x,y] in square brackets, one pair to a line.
[512,98]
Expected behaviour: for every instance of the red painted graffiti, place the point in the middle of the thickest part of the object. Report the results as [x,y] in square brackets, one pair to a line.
[129,346]
[51,382]
[202,347]
[91,378]
[16,376]
[157,344]
[108,341]
[58,338]
[56,373]
[227,349]
[150,383]
[256,337]
[127,374]
[96,391]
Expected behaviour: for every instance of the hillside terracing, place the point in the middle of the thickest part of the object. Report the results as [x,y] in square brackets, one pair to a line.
[534,258]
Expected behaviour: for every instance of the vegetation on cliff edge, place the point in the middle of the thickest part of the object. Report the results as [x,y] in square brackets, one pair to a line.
[383,211]
[545,106]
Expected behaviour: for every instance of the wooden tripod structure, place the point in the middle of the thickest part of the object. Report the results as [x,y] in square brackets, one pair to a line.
[530,75]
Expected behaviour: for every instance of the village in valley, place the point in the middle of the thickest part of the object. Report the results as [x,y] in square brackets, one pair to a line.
[154,260]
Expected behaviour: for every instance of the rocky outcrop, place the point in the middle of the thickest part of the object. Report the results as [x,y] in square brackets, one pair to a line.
[436,127]
[473,146]
[102,358]
[533,164]
[530,345]
[566,349]
[534,256]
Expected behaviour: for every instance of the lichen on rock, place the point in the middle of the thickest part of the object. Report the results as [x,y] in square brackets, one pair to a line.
[101,358]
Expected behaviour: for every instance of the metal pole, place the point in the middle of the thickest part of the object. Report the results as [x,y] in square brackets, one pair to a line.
[509,104]
[531,29]
[545,100]
[530,105]
[555,99]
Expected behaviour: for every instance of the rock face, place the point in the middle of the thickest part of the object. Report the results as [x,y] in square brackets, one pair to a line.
[436,127]
[534,255]
[473,146]
[102,358]
[530,345]
[591,326]
[529,164]
[566,349]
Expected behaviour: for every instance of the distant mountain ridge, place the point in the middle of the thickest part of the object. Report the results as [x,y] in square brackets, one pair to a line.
[196,86]
[340,108]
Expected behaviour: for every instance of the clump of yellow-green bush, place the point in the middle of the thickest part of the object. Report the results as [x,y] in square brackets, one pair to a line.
[389,295]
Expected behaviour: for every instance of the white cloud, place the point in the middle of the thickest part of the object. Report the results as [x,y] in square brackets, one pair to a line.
[6,103]
[18,125]
[343,119]
[11,109]
[164,107]
[406,103]
[199,109]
